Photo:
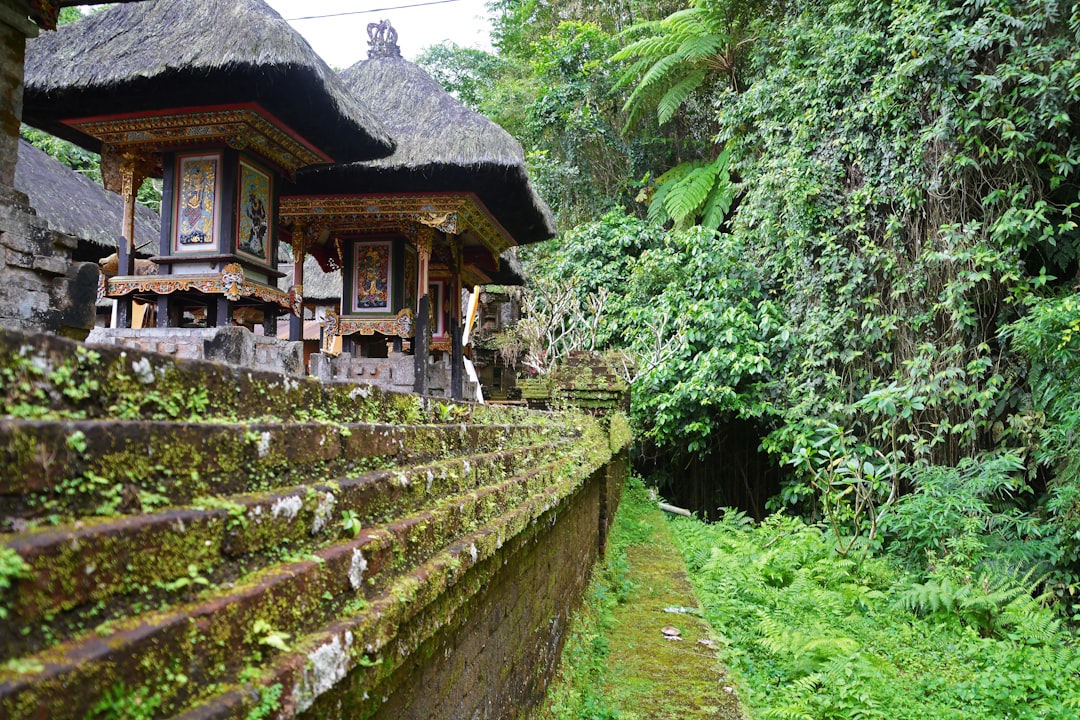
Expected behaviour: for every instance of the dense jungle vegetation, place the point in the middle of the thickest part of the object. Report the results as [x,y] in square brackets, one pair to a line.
[836,243]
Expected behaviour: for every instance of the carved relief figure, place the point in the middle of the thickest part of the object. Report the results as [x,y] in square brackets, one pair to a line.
[373,277]
[195,216]
[255,194]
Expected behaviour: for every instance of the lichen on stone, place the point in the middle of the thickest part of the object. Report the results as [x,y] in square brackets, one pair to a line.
[287,506]
[143,371]
[357,568]
[322,513]
[326,666]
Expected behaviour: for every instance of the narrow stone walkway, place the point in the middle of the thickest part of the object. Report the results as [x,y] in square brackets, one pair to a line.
[650,675]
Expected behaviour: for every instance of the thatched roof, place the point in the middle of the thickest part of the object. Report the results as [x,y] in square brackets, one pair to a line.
[318,284]
[168,54]
[442,146]
[509,271]
[76,205]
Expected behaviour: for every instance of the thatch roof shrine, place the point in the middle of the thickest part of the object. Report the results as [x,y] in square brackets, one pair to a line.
[193,58]
[440,210]
[442,147]
[224,100]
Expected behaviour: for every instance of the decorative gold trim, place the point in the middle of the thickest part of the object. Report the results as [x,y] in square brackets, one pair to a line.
[398,326]
[296,299]
[401,213]
[230,283]
[239,128]
[445,222]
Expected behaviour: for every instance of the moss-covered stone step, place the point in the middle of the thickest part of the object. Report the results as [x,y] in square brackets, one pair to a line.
[43,376]
[211,641]
[77,467]
[359,654]
[91,562]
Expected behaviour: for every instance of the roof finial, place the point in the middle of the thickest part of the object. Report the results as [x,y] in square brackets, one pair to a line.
[382,39]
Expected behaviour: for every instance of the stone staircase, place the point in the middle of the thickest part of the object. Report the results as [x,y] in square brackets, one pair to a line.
[184,538]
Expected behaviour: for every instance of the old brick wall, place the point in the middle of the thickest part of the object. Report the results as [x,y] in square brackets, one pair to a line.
[503,626]
[40,288]
[12,52]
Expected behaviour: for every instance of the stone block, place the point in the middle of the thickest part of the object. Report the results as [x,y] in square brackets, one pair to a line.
[51,264]
[232,346]
[78,298]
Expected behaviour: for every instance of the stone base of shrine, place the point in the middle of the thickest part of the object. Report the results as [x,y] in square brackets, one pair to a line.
[396,373]
[229,345]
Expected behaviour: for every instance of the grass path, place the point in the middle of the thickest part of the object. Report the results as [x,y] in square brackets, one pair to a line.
[618,663]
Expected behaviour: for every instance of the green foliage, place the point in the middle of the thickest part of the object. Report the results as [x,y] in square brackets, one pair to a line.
[673,57]
[264,634]
[970,517]
[468,74]
[269,703]
[702,333]
[121,703]
[1049,336]
[12,569]
[810,634]
[692,192]
[351,523]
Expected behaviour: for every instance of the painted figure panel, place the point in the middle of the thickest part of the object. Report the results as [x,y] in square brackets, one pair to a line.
[437,315]
[196,213]
[372,278]
[252,236]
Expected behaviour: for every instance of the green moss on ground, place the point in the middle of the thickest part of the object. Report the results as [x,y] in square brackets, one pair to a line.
[617,663]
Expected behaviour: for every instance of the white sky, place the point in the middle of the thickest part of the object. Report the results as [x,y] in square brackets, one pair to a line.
[342,41]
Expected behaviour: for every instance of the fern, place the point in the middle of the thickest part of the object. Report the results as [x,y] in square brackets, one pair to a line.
[694,190]
[677,94]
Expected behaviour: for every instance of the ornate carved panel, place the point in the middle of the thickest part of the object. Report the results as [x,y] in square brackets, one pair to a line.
[244,128]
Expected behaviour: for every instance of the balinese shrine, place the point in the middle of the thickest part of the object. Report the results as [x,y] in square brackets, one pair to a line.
[377,172]
[411,229]
[223,101]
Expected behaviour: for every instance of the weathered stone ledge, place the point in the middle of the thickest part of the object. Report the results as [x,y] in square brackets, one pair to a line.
[71,467]
[296,598]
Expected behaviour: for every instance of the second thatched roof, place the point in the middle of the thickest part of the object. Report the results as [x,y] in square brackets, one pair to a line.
[168,54]
[76,205]
[442,146]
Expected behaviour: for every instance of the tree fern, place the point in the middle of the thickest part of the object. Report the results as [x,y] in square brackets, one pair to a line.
[696,191]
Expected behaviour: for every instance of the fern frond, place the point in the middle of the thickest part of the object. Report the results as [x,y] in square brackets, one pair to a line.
[718,204]
[689,194]
[648,47]
[660,72]
[651,27]
[696,49]
[677,94]
[691,21]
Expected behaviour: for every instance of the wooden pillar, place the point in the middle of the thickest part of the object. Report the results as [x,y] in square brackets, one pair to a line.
[221,312]
[296,292]
[123,173]
[270,320]
[424,237]
[421,339]
[422,326]
[457,354]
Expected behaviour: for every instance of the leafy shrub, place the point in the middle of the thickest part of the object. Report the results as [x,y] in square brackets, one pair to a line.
[814,635]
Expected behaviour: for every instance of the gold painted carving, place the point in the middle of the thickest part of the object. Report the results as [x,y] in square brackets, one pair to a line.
[209,284]
[444,222]
[240,128]
[400,325]
[123,170]
[399,213]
